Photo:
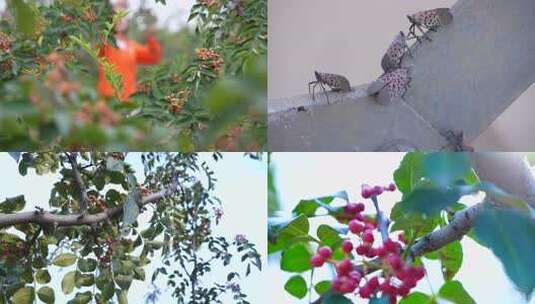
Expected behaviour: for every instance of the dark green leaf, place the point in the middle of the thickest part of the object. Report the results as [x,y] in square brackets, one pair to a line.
[322,287]
[511,237]
[446,168]
[46,294]
[418,298]
[64,260]
[410,171]
[87,265]
[451,259]
[24,295]
[329,236]
[296,258]
[42,276]
[296,286]
[429,200]
[335,298]
[454,292]
[13,204]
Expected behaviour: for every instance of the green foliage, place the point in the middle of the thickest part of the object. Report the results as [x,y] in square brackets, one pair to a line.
[511,237]
[101,260]
[186,103]
[454,292]
[296,286]
[418,298]
[296,258]
[450,257]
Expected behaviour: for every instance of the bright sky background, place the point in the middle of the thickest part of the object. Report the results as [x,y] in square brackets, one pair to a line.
[241,187]
[310,175]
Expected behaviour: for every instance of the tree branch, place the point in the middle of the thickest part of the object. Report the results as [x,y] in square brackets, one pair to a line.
[455,230]
[48,218]
[82,195]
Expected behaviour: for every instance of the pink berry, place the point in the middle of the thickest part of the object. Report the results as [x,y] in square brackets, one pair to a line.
[317,261]
[377,190]
[348,285]
[366,191]
[365,292]
[386,287]
[344,267]
[367,237]
[359,217]
[373,283]
[362,249]
[391,246]
[347,246]
[403,290]
[381,252]
[355,227]
[355,276]
[372,252]
[325,252]
[351,208]
[360,207]
[392,187]
[395,261]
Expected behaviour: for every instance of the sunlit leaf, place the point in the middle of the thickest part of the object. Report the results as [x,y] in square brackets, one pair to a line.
[296,286]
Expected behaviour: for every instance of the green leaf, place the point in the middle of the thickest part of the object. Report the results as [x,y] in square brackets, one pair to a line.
[335,298]
[410,171]
[296,258]
[25,295]
[87,279]
[82,298]
[67,284]
[131,207]
[46,294]
[329,236]
[25,16]
[281,233]
[64,260]
[322,287]
[446,168]
[122,297]
[13,204]
[115,165]
[124,281]
[309,207]
[511,237]
[429,200]
[418,298]
[42,276]
[454,292]
[87,265]
[451,259]
[139,273]
[296,286]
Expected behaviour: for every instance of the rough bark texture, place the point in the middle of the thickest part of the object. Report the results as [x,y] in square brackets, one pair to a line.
[47,218]
[462,80]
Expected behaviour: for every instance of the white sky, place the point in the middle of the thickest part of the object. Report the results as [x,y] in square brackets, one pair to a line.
[241,187]
[309,175]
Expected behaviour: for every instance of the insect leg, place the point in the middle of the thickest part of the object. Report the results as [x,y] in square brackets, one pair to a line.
[425,35]
[309,84]
[324,91]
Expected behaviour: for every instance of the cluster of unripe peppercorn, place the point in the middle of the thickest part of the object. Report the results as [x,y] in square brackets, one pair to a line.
[395,277]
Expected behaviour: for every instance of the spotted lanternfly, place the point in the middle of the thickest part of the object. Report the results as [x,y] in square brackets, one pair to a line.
[456,141]
[430,20]
[390,86]
[337,83]
[395,52]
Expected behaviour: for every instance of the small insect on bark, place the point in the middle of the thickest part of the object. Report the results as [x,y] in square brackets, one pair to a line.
[395,52]
[390,86]
[456,142]
[337,83]
[430,20]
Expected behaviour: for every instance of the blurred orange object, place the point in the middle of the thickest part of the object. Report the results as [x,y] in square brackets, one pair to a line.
[126,59]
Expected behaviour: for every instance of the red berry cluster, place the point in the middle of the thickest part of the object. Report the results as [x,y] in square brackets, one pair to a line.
[396,278]
[369,191]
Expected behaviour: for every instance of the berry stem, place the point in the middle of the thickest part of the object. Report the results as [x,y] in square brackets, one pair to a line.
[382,222]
